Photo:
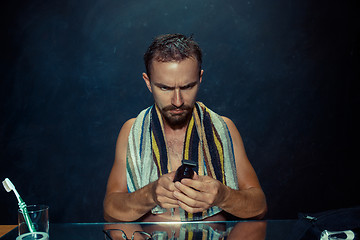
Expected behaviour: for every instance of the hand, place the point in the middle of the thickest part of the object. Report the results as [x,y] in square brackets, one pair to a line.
[162,191]
[200,193]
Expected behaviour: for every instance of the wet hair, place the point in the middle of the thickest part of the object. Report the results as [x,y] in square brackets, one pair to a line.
[172,47]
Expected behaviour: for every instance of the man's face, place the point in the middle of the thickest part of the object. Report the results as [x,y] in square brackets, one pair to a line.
[174,86]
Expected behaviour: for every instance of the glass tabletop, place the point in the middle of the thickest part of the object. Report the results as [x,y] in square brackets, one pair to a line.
[255,230]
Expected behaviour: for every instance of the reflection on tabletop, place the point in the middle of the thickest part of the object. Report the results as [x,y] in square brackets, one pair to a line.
[252,230]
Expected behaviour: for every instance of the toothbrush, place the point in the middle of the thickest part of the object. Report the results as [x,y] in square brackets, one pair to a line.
[9,186]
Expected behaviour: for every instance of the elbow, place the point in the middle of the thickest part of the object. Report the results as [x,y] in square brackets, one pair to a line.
[108,216]
[112,218]
[113,213]
[262,213]
[262,209]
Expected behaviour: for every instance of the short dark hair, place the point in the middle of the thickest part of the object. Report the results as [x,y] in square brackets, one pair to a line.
[172,47]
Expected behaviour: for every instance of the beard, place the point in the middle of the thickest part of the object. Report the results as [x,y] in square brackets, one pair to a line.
[176,120]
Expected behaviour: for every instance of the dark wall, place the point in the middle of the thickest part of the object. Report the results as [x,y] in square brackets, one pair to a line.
[283,71]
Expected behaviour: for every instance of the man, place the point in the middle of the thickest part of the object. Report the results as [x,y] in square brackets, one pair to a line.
[151,147]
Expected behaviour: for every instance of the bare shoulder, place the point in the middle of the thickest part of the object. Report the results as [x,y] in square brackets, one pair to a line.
[125,130]
[237,140]
[128,124]
[121,143]
[232,127]
[227,120]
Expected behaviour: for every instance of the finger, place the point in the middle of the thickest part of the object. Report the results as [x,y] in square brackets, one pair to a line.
[192,184]
[163,196]
[196,176]
[187,190]
[203,199]
[161,191]
[171,175]
[189,201]
[166,182]
[203,183]
[166,202]
[190,209]
[168,205]
[191,192]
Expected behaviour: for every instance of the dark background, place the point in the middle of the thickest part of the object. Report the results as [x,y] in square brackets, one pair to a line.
[284,71]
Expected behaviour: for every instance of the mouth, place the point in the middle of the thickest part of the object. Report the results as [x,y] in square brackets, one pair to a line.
[177,111]
[176,117]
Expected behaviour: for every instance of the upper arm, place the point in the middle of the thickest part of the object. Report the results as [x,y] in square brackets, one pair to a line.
[245,172]
[117,178]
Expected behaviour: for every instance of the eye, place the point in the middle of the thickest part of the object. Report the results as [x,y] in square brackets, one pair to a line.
[186,87]
[189,86]
[164,88]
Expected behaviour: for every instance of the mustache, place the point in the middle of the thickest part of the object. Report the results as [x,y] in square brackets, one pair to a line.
[171,107]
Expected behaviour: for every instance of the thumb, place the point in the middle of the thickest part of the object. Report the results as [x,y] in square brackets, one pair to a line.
[196,176]
[171,175]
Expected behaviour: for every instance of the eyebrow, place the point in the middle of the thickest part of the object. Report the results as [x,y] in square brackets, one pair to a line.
[192,84]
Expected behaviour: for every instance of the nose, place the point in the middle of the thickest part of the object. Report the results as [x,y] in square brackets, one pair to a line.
[177,99]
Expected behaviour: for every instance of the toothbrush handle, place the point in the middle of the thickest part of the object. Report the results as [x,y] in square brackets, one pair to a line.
[27,218]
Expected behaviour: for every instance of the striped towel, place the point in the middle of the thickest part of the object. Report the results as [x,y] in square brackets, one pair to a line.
[207,141]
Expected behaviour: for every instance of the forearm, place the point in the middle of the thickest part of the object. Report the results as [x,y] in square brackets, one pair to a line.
[123,206]
[249,203]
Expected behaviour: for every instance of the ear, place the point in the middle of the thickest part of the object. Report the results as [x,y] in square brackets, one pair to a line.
[147,81]
[201,75]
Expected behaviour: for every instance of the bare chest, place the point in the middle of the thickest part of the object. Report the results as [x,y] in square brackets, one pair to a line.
[175,145]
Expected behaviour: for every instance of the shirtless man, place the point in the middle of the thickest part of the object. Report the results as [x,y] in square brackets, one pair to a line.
[174,83]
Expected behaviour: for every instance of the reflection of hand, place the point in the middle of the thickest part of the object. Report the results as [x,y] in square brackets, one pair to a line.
[200,193]
[162,191]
